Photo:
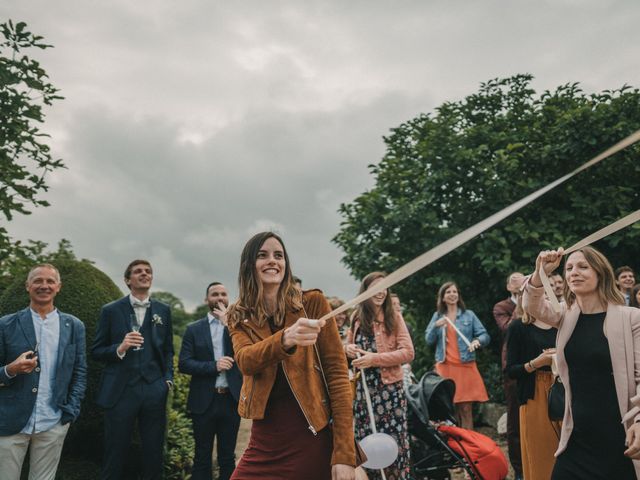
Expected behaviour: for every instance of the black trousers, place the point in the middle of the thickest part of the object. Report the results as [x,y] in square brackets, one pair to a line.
[145,403]
[219,420]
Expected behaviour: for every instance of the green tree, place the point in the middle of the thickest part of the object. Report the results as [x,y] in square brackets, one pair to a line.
[179,317]
[20,257]
[25,158]
[444,171]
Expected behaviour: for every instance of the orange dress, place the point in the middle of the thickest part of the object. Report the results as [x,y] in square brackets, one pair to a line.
[469,384]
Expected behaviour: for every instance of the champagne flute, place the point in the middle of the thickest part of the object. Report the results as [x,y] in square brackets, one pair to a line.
[135,327]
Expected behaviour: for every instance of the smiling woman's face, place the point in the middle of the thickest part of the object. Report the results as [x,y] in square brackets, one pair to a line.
[451,295]
[378,298]
[270,264]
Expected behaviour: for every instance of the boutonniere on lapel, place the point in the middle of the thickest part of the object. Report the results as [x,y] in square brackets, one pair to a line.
[156,319]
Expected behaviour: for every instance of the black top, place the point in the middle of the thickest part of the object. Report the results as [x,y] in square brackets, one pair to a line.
[596,446]
[524,343]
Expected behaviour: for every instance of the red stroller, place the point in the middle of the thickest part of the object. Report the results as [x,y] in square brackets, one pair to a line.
[437,448]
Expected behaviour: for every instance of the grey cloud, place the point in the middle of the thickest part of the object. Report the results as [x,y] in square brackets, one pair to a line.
[189,126]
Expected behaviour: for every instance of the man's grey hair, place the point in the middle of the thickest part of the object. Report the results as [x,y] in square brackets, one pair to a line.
[32,272]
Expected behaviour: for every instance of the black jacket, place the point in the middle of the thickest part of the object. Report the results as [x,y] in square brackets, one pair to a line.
[196,359]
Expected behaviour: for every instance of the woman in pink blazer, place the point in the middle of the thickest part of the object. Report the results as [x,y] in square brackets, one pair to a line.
[598,353]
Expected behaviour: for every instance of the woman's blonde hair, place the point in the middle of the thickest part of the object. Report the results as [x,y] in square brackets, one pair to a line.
[251,303]
[607,290]
[524,317]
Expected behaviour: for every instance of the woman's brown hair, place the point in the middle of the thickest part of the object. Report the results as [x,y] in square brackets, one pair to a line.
[365,313]
[441,306]
[251,303]
[607,289]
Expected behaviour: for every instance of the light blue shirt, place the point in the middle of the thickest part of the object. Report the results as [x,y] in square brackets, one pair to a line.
[46,413]
[217,329]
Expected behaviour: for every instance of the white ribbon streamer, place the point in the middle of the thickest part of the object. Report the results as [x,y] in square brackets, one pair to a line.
[454,242]
[367,398]
[464,339]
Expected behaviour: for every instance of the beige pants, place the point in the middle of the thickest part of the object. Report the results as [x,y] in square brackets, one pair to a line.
[46,448]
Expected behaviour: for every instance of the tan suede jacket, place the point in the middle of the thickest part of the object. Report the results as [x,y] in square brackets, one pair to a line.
[258,352]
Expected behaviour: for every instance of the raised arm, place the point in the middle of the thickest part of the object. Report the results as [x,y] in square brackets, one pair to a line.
[533,298]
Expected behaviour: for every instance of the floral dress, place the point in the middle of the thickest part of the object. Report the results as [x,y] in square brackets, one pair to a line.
[390,411]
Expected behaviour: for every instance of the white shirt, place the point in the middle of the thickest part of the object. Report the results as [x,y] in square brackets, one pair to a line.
[217,330]
[139,310]
[46,413]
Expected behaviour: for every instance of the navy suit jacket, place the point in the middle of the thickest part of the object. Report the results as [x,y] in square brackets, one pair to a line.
[197,360]
[114,324]
[18,394]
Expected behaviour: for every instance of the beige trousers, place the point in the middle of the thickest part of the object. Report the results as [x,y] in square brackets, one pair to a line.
[46,448]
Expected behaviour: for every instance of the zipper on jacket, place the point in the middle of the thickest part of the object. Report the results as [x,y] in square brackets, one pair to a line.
[248,407]
[313,430]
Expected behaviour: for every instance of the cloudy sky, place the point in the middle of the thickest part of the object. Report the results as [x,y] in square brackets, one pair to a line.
[188,126]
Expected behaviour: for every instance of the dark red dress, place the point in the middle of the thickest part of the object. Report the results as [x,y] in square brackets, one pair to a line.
[281,445]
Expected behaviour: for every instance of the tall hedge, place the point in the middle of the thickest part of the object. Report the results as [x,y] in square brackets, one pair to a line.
[84,290]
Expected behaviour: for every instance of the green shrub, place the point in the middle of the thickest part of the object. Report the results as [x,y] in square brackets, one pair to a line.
[84,290]
[178,459]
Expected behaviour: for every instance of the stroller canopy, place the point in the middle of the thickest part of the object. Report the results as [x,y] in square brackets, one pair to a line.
[432,398]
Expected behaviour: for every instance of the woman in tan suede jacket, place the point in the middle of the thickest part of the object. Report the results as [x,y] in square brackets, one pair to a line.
[283,354]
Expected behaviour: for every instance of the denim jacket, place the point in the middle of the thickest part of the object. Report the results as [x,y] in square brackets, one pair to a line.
[470,326]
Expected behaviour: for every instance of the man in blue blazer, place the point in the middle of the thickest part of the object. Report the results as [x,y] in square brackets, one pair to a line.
[43,376]
[207,355]
[135,339]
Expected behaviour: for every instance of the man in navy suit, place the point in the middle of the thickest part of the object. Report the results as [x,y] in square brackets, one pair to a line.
[207,355]
[43,375]
[138,373]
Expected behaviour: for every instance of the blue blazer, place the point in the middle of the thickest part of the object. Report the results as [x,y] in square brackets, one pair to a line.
[18,394]
[197,360]
[114,324]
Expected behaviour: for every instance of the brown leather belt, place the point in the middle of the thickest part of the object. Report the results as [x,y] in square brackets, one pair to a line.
[221,390]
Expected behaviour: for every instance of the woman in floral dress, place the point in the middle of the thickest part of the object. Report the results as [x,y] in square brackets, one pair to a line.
[379,343]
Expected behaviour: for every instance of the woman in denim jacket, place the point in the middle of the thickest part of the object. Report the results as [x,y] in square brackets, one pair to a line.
[454,359]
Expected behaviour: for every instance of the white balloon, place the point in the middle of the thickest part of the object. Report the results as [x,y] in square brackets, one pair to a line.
[381,450]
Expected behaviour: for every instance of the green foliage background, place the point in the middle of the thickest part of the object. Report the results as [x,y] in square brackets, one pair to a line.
[444,172]
[25,158]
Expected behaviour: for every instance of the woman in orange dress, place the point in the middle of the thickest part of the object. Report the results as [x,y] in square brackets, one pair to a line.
[454,358]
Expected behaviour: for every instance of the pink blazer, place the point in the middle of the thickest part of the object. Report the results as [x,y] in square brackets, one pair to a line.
[394,349]
[622,329]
